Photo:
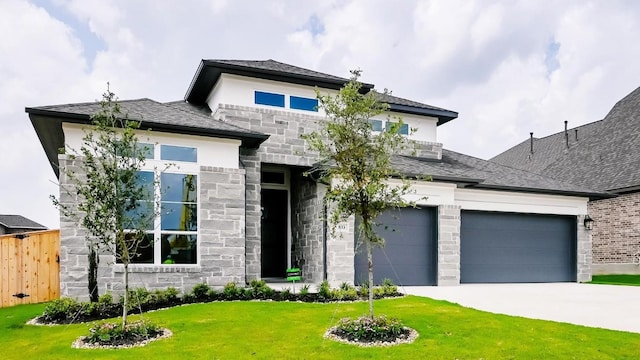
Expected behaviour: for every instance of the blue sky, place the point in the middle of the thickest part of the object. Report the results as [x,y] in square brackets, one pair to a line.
[508,67]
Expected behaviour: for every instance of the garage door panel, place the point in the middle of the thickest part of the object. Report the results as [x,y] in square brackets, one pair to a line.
[508,247]
[409,254]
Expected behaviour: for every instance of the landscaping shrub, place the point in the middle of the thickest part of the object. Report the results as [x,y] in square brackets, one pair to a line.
[367,330]
[67,310]
[260,290]
[201,291]
[232,291]
[389,288]
[324,290]
[63,310]
[109,333]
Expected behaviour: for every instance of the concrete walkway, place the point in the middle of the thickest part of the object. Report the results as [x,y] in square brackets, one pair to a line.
[603,306]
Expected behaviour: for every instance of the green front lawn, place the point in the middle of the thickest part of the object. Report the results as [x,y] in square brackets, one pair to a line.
[281,330]
[633,280]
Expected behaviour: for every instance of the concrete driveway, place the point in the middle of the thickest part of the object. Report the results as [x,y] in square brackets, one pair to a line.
[603,306]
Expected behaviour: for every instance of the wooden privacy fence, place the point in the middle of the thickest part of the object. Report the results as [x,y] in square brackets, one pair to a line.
[30,267]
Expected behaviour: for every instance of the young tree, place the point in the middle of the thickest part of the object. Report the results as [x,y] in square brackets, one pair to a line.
[114,203]
[356,163]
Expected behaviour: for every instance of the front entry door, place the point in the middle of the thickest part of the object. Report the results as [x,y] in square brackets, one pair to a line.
[274,232]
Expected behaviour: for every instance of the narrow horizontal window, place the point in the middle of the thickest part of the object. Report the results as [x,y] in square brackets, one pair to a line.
[269,177]
[376,125]
[271,99]
[178,153]
[303,103]
[403,129]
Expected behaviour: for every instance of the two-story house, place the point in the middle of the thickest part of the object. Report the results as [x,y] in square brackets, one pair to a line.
[242,209]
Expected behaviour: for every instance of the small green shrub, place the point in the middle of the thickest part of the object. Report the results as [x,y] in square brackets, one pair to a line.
[324,290]
[63,310]
[260,290]
[304,290]
[109,333]
[188,298]
[213,294]
[348,294]
[389,288]
[346,286]
[366,329]
[363,291]
[286,295]
[171,294]
[231,291]
[201,291]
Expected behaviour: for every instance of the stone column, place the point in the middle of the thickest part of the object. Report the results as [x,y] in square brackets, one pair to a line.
[583,251]
[448,245]
[341,253]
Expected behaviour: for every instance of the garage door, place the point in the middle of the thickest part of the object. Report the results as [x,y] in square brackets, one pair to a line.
[409,255]
[507,247]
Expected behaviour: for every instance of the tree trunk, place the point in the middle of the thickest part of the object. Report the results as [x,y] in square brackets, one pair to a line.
[125,303]
[93,274]
[370,261]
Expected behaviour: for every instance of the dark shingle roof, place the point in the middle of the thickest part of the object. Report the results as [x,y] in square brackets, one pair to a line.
[156,115]
[605,155]
[276,66]
[19,222]
[478,173]
[404,105]
[209,72]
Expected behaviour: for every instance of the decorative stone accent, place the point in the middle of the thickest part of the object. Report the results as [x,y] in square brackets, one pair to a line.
[449,245]
[341,253]
[584,252]
[424,149]
[308,227]
[616,234]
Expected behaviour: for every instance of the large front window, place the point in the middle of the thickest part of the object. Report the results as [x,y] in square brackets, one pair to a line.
[173,237]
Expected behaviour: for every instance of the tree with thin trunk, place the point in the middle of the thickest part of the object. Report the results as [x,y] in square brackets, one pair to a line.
[114,204]
[355,161]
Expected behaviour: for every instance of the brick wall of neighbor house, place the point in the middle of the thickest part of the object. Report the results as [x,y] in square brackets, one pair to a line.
[448,245]
[308,227]
[221,241]
[616,234]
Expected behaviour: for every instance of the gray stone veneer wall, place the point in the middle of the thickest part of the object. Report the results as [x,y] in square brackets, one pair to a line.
[308,227]
[221,242]
[341,253]
[284,147]
[424,149]
[449,245]
[616,234]
[584,252]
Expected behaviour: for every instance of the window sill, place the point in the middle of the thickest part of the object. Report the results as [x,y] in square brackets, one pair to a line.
[177,268]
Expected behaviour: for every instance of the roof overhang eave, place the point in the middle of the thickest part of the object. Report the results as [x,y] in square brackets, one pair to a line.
[249,140]
[209,72]
[590,195]
[443,116]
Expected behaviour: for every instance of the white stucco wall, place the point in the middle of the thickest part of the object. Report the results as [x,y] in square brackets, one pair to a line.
[437,194]
[211,151]
[426,127]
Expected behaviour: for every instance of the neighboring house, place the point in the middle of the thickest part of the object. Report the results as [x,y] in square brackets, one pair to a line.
[15,224]
[243,209]
[602,155]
